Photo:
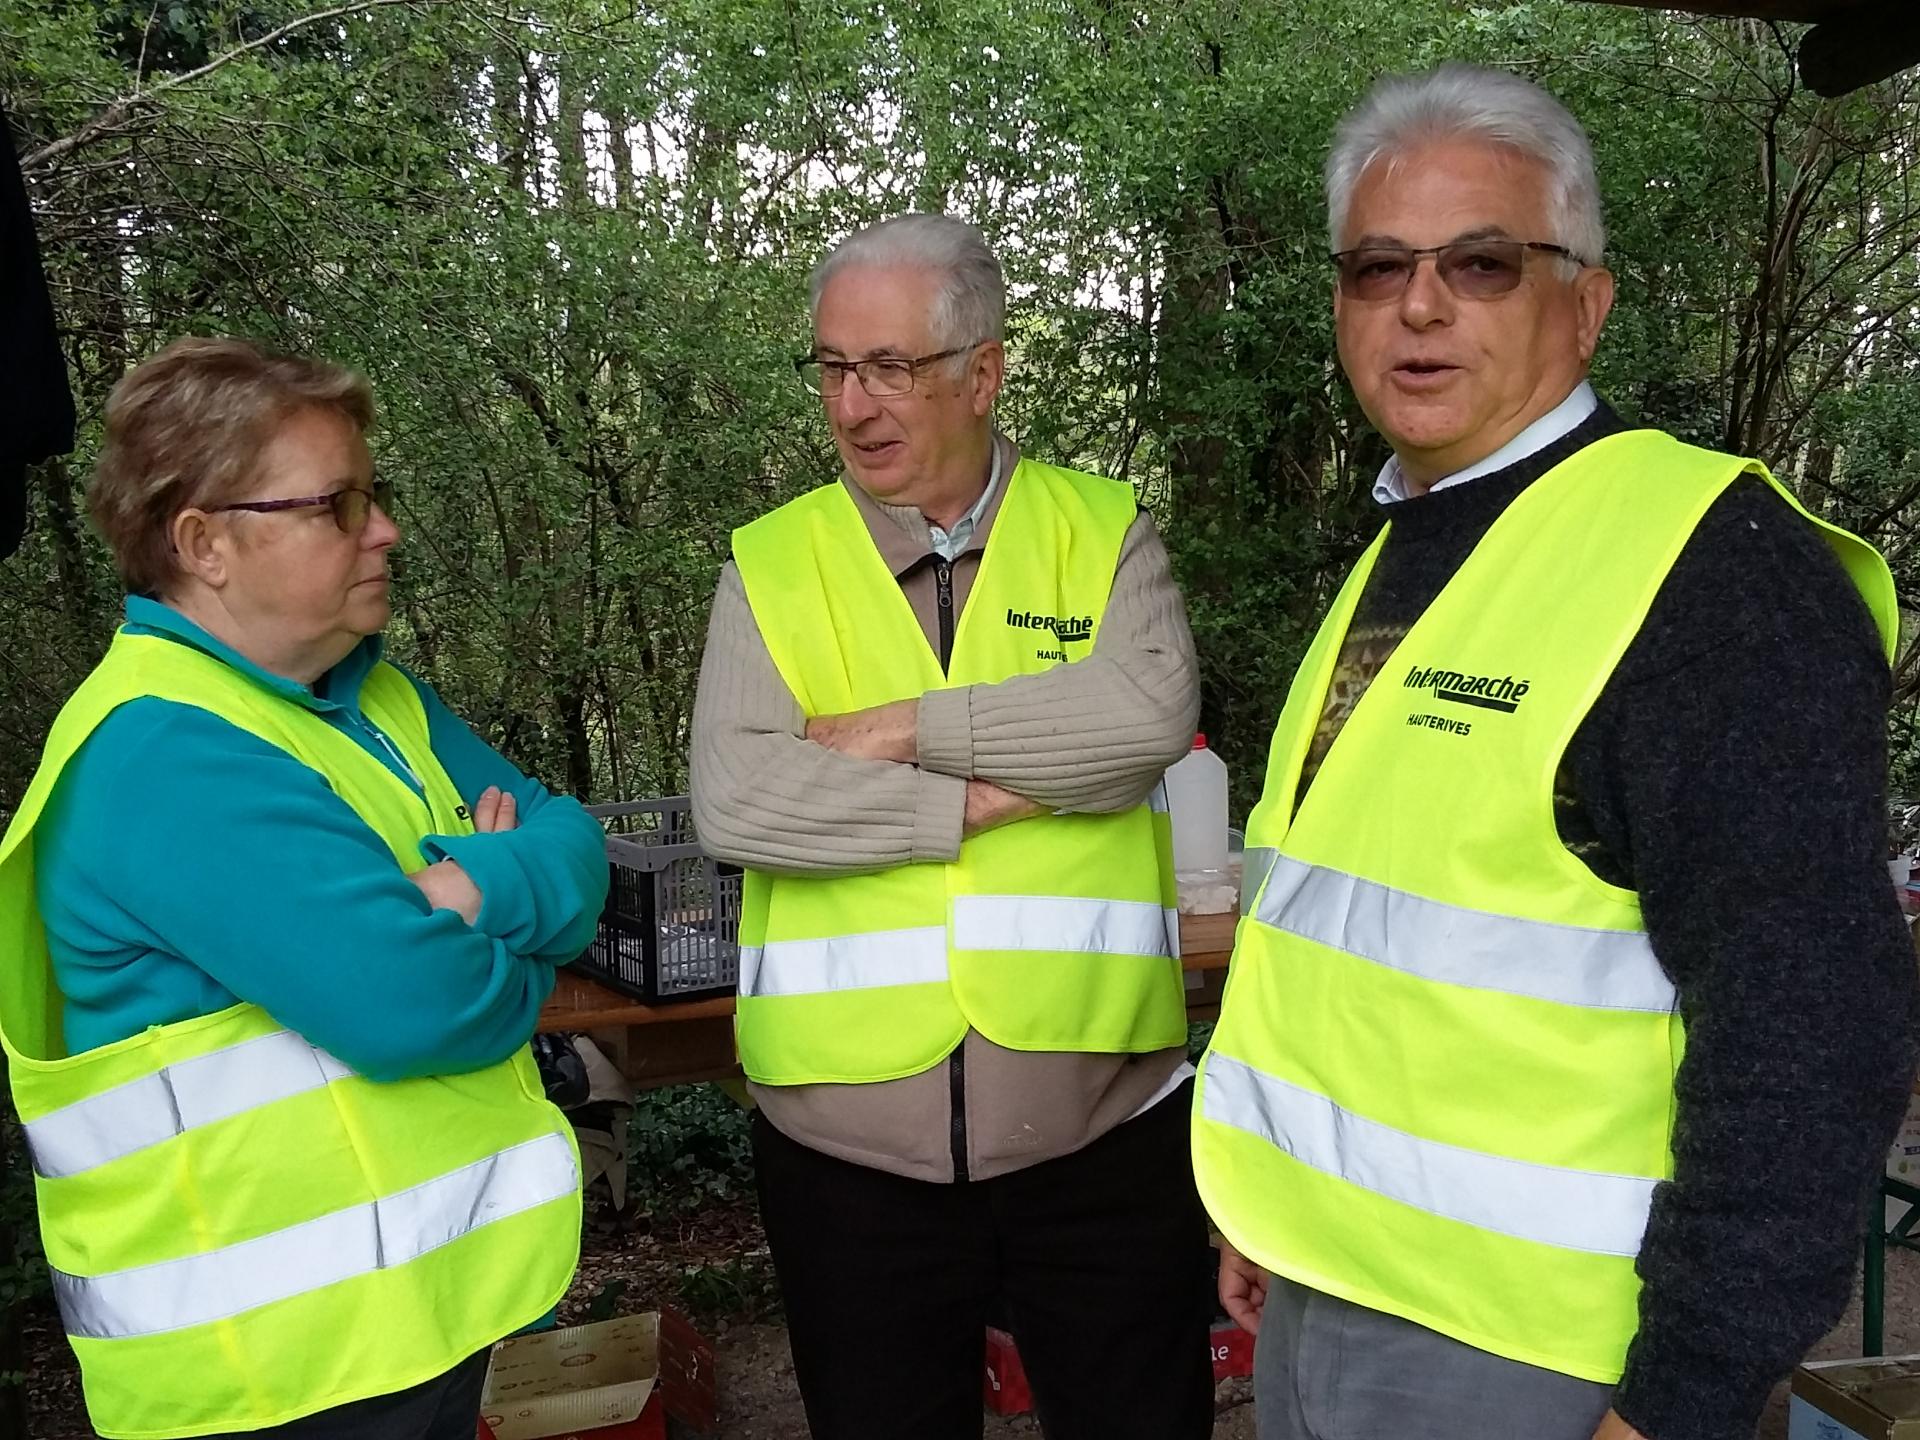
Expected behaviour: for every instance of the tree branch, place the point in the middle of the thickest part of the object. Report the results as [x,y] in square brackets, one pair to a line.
[109,120]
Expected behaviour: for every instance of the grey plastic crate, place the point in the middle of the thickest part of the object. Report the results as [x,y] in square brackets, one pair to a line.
[670,929]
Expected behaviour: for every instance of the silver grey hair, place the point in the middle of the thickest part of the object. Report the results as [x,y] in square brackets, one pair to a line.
[1456,101]
[971,305]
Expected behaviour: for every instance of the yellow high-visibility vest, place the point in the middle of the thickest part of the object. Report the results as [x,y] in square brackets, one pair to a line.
[242,1230]
[1442,1081]
[1054,933]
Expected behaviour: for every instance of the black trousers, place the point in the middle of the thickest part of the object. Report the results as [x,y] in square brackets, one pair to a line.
[446,1407]
[1098,1260]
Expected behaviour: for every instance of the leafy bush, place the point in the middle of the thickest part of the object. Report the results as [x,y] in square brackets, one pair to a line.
[23,1269]
[688,1145]
[741,1289]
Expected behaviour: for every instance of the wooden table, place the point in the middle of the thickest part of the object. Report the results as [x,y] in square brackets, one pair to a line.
[693,1040]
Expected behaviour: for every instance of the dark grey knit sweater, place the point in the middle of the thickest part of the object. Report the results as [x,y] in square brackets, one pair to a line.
[1733,772]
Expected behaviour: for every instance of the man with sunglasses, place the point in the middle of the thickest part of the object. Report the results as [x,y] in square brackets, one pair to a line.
[1572,1012]
[937,699]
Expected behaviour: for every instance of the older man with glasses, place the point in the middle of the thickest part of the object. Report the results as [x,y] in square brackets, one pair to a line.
[1573,1014]
[937,700]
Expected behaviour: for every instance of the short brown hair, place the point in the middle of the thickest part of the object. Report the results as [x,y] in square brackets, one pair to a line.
[186,428]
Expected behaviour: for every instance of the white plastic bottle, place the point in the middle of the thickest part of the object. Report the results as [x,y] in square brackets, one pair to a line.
[1197,798]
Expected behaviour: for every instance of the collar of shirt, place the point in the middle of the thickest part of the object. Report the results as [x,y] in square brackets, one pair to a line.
[1562,420]
[948,544]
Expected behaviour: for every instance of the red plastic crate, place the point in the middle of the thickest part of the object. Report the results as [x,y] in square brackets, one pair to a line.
[1004,1387]
[1232,1351]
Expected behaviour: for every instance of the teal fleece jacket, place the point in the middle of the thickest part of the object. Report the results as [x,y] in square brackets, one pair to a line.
[184,864]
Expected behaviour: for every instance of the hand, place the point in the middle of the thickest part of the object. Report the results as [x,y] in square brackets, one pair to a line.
[1614,1428]
[495,811]
[1243,1290]
[448,887]
[884,732]
[989,806]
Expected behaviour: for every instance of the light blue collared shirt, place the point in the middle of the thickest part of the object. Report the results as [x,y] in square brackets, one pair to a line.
[948,544]
[1561,421]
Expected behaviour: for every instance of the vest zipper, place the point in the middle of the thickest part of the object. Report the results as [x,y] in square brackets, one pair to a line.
[943,601]
[957,1092]
[394,750]
[957,1062]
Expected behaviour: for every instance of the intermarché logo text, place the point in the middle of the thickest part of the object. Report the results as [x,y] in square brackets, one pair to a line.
[1490,692]
[1067,627]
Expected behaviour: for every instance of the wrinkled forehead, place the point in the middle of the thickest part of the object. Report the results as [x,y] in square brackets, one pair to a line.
[877,310]
[1444,191]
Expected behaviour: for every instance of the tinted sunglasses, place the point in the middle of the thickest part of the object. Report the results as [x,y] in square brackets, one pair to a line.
[1471,269]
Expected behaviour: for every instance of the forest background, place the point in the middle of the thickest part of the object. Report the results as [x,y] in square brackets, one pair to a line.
[568,241]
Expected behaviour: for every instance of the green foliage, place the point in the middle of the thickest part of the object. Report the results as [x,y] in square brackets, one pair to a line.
[1199,1032]
[741,1289]
[23,1269]
[605,1304]
[570,248]
[687,1145]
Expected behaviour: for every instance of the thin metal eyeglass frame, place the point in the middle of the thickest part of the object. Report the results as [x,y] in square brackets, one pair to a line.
[860,368]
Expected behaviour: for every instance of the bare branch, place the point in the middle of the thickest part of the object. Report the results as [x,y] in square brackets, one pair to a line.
[110,120]
[146,33]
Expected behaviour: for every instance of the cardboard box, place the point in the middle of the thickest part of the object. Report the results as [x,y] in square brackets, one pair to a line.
[650,1424]
[1877,1399]
[1004,1387]
[614,1380]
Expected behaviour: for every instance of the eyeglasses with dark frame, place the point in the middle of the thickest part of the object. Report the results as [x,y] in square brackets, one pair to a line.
[350,506]
[1471,269]
[882,375]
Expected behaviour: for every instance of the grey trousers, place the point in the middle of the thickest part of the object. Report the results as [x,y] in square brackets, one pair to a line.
[1324,1369]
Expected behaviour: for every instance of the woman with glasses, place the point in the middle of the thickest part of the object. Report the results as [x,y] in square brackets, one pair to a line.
[275,927]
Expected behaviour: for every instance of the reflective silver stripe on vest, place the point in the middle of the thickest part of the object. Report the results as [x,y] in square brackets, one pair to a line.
[1060,923]
[980,922]
[380,1235]
[1255,862]
[1568,964]
[175,1099]
[1574,1209]
[845,962]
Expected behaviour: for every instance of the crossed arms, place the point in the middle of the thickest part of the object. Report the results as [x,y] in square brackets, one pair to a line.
[906,781]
